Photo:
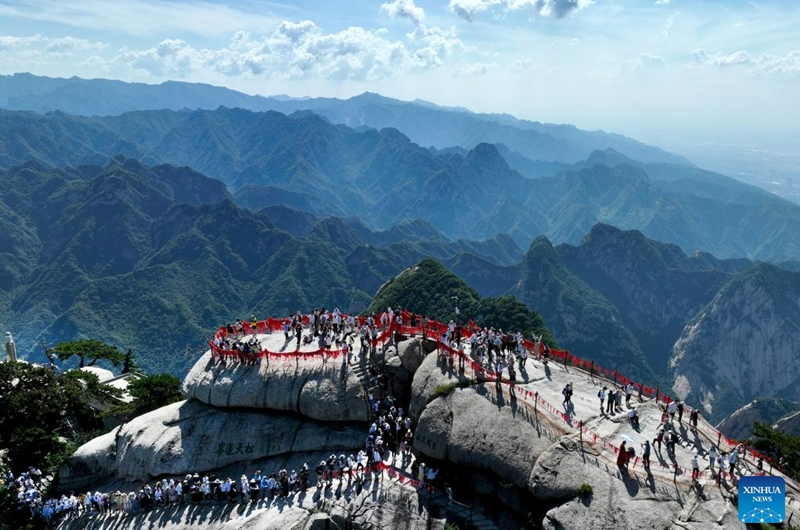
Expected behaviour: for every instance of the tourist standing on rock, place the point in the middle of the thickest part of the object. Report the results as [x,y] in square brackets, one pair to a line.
[646,454]
[659,437]
[602,395]
[732,458]
[244,488]
[622,456]
[679,406]
[693,417]
[695,466]
[712,458]
[611,401]
[672,409]
[320,470]
[628,393]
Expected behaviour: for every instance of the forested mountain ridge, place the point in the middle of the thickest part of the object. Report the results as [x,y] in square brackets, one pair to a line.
[153,258]
[383,179]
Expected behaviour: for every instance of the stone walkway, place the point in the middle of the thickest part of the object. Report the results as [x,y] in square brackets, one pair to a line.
[549,380]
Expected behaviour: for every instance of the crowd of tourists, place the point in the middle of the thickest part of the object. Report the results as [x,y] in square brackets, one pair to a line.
[390,435]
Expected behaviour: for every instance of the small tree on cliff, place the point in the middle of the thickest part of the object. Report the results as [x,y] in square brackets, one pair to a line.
[90,350]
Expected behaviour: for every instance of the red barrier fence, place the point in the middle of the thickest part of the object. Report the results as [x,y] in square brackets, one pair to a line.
[435,330]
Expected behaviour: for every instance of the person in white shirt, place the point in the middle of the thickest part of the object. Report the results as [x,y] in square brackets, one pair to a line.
[732,458]
[695,466]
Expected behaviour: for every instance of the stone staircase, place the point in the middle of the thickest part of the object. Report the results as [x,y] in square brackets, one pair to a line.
[468,514]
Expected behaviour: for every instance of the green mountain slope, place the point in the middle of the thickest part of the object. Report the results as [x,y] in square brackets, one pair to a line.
[580,317]
[155,258]
[429,288]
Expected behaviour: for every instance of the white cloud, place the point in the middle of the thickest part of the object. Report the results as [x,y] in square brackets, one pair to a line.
[701,58]
[761,65]
[662,2]
[645,62]
[405,9]
[141,17]
[473,69]
[298,50]
[668,25]
[468,9]
[61,46]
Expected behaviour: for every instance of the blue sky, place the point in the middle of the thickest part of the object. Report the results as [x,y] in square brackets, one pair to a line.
[664,71]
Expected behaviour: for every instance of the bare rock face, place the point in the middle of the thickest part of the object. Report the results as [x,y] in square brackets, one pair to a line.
[743,344]
[96,458]
[739,425]
[434,372]
[620,499]
[413,352]
[189,437]
[320,390]
[789,424]
[469,429]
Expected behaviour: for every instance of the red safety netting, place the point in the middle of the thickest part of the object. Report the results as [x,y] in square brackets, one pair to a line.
[435,330]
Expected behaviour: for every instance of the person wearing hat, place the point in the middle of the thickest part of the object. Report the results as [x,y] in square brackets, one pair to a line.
[254,489]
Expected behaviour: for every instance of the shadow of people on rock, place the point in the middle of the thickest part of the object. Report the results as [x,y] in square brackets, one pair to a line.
[630,481]
[547,372]
[650,480]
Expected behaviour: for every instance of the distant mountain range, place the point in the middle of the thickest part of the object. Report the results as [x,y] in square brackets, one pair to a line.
[384,179]
[424,123]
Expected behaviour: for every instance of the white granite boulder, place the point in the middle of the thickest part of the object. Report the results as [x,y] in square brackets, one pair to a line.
[190,436]
[484,432]
[319,390]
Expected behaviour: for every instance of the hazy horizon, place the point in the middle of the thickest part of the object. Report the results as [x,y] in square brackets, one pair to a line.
[703,79]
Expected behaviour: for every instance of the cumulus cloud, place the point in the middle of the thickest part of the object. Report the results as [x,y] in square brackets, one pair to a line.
[404,9]
[662,2]
[760,65]
[701,58]
[296,50]
[468,9]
